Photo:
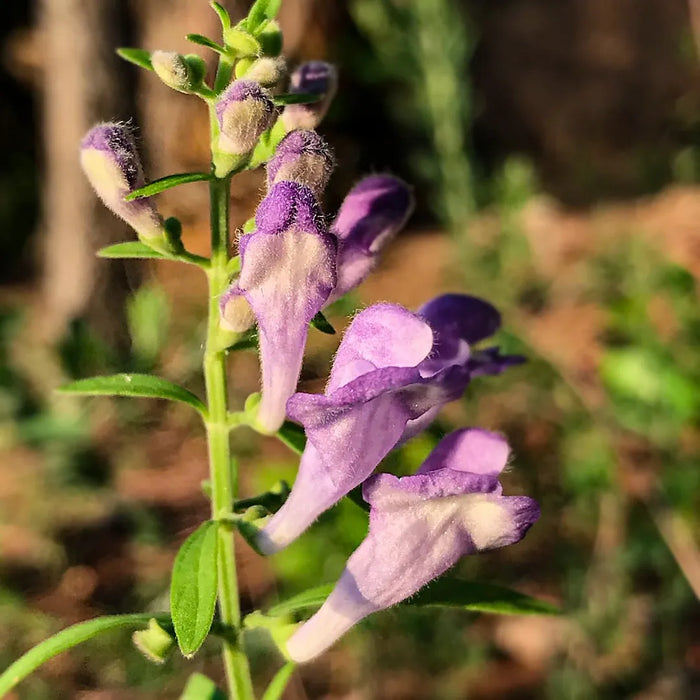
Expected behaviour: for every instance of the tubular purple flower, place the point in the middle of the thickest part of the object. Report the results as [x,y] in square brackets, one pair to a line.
[393,372]
[244,110]
[111,163]
[316,77]
[287,273]
[304,157]
[373,212]
[419,527]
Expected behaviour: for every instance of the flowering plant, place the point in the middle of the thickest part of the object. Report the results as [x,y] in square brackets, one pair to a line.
[393,372]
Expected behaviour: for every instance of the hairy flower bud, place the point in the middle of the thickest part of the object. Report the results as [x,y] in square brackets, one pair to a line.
[181,73]
[236,314]
[304,157]
[244,111]
[111,163]
[267,71]
[316,77]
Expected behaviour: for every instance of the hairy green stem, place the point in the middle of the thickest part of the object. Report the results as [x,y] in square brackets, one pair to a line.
[223,478]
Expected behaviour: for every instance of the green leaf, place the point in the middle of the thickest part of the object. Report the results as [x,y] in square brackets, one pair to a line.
[200,687]
[224,16]
[139,57]
[320,323]
[142,385]
[293,436]
[193,588]
[201,40]
[67,639]
[261,11]
[297,98]
[130,249]
[166,183]
[312,598]
[279,682]
[449,592]
[241,42]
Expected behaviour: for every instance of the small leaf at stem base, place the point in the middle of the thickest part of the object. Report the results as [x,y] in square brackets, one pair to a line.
[193,588]
[279,682]
[166,183]
[320,323]
[139,57]
[199,687]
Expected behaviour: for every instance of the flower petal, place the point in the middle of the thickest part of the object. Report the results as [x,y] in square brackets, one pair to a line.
[470,449]
[383,335]
[286,278]
[373,212]
[419,527]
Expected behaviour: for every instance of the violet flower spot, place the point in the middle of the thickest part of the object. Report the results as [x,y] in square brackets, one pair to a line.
[420,526]
[393,372]
[287,273]
[373,212]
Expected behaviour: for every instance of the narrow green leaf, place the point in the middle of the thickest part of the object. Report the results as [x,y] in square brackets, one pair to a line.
[199,687]
[201,40]
[130,249]
[312,598]
[296,98]
[224,16]
[449,592]
[257,15]
[279,682]
[293,436]
[139,57]
[67,639]
[193,587]
[142,385]
[166,183]
[321,323]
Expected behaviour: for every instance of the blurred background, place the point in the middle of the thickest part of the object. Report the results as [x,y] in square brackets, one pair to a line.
[555,152]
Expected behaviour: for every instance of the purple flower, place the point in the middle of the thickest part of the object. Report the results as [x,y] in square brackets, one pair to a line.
[373,212]
[315,77]
[419,527]
[287,273]
[111,163]
[393,372]
[304,157]
[244,110]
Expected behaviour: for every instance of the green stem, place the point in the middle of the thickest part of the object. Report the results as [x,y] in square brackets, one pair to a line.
[223,478]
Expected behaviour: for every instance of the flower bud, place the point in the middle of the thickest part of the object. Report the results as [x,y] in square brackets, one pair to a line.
[244,110]
[304,157]
[235,311]
[267,71]
[315,77]
[181,73]
[111,163]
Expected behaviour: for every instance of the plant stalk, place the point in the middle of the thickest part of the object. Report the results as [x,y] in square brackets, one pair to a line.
[222,474]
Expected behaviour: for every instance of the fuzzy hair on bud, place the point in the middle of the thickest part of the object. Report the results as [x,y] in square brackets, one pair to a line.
[316,77]
[304,157]
[172,69]
[111,163]
[267,71]
[244,111]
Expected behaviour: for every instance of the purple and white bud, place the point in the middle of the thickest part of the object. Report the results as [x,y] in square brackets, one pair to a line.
[111,163]
[244,111]
[303,157]
[316,77]
[372,213]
